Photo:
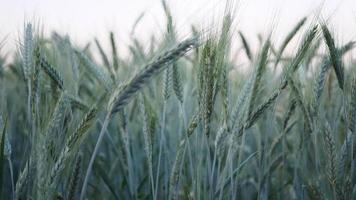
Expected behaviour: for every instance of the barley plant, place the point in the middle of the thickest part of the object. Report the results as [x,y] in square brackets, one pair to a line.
[178,118]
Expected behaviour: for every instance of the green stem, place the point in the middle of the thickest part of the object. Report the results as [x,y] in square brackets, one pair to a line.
[95,152]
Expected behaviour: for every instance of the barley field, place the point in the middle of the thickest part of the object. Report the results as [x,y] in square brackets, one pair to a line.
[177,118]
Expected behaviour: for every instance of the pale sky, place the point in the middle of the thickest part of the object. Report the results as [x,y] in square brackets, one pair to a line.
[83,20]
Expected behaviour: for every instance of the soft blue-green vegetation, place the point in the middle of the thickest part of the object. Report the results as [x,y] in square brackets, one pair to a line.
[177,119]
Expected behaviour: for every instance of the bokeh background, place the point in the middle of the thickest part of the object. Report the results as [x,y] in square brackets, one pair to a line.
[85,19]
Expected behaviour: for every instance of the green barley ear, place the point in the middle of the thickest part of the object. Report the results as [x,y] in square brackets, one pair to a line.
[220,138]
[48,148]
[207,80]
[257,113]
[319,82]
[27,52]
[320,79]
[36,76]
[302,51]
[312,53]
[289,37]
[177,82]
[252,89]
[150,118]
[238,111]
[344,160]
[246,46]
[54,126]
[147,137]
[334,56]
[170,31]
[225,85]
[222,52]
[124,95]
[330,150]
[48,69]
[292,67]
[167,83]
[80,132]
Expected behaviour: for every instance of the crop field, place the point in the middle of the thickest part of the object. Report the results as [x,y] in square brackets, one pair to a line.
[177,118]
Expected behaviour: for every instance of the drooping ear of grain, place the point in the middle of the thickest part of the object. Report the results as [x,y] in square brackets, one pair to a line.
[334,55]
[125,94]
[246,46]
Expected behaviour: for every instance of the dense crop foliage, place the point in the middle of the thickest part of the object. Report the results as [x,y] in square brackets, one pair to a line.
[178,119]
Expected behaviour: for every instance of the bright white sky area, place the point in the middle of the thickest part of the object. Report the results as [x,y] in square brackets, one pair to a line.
[83,20]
